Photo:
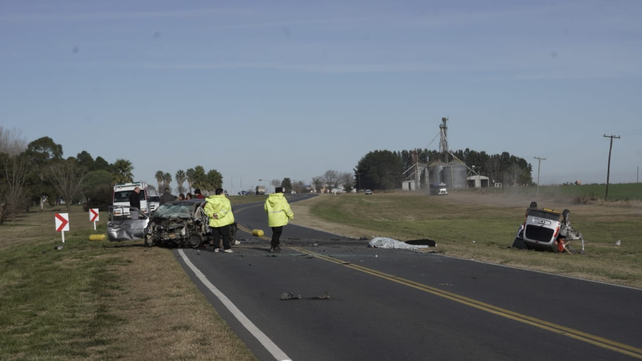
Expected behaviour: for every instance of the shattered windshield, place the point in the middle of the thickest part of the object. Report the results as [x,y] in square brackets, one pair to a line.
[174,211]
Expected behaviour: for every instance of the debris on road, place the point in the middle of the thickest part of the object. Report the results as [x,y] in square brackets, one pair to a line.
[289,296]
[325,296]
[286,296]
[385,242]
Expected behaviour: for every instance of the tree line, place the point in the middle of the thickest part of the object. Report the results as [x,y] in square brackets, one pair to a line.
[385,170]
[36,173]
[195,177]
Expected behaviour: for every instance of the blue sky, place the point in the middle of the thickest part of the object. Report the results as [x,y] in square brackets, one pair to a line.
[267,90]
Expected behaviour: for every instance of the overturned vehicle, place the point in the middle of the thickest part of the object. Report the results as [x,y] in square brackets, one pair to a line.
[181,224]
[547,230]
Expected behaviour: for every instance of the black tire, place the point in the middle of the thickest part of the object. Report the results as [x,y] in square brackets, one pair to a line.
[194,240]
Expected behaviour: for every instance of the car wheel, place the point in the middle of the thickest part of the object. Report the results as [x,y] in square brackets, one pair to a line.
[194,241]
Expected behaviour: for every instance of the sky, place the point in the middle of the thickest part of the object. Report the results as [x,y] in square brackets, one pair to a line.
[263,90]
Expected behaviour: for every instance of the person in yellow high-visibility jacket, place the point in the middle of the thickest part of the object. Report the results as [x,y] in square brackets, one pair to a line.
[279,213]
[219,210]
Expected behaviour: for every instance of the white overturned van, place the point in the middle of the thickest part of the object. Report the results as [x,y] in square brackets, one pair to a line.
[120,199]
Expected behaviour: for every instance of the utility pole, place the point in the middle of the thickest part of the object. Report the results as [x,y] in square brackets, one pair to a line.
[539,162]
[608,171]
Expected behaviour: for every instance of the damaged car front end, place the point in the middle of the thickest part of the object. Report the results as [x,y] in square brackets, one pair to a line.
[178,224]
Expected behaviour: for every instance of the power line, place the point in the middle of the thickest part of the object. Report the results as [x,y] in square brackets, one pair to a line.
[608,172]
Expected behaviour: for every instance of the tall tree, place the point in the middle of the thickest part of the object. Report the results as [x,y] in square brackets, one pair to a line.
[68,179]
[213,180]
[159,175]
[317,182]
[347,180]
[11,142]
[180,179]
[98,189]
[167,179]
[86,161]
[42,152]
[200,177]
[286,184]
[123,171]
[13,175]
[331,178]
[189,175]
[381,169]
[101,164]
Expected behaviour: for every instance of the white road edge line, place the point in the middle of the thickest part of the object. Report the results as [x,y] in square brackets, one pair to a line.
[258,334]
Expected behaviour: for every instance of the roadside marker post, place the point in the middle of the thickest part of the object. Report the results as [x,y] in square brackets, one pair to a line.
[94,216]
[62,224]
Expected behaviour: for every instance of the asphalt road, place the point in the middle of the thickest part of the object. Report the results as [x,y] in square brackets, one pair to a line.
[405,305]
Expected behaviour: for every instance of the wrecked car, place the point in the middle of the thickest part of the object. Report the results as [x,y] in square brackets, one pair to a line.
[124,228]
[548,230]
[181,224]
[178,224]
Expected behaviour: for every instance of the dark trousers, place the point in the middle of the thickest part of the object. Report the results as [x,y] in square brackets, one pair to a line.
[225,233]
[276,235]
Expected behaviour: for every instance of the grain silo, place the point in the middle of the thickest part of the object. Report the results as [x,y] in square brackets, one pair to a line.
[454,175]
[434,173]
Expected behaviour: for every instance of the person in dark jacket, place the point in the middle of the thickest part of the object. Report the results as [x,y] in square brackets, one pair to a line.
[166,197]
[134,202]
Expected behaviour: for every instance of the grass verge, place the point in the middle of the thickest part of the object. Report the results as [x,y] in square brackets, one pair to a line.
[100,300]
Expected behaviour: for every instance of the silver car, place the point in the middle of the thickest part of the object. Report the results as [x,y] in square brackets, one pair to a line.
[123,228]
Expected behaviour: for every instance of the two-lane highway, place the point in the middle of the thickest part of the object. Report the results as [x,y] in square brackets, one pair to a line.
[405,305]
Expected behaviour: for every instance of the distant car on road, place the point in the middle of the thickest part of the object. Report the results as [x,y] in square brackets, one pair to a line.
[368,192]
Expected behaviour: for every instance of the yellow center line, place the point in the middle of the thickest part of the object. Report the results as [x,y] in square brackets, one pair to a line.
[545,325]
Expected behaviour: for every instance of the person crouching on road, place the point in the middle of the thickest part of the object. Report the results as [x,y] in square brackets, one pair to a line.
[279,212]
[219,210]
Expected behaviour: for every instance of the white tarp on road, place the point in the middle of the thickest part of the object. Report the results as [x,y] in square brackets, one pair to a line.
[385,242]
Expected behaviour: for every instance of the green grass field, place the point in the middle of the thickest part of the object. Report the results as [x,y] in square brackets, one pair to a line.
[572,193]
[486,232]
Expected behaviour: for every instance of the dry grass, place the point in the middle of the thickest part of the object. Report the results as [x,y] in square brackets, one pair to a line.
[100,300]
[167,318]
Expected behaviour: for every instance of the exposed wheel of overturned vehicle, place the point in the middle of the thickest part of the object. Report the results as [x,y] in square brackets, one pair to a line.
[194,240]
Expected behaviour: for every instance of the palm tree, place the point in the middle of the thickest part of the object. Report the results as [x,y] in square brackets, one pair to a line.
[159,178]
[189,174]
[123,171]
[167,179]
[180,179]
[214,179]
